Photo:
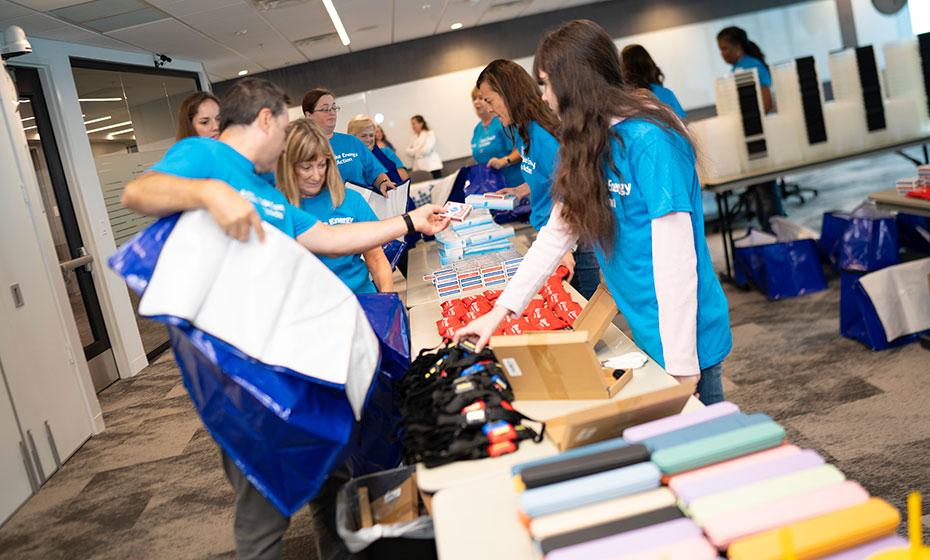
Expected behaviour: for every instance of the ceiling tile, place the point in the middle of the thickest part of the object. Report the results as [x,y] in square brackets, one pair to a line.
[324,49]
[181,8]
[172,38]
[504,12]
[122,21]
[466,12]
[416,18]
[43,5]
[9,10]
[74,34]
[300,21]
[98,9]
[37,24]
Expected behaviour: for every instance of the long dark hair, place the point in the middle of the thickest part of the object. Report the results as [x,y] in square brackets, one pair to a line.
[737,36]
[521,95]
[584,72]
[188,109]
[421,120]
[639,70]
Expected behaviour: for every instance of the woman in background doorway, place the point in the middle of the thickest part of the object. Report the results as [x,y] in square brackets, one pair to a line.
[357,165]
[491,145]
[199,115]
[639,70]
[740,53]
[308,177]
[422,148]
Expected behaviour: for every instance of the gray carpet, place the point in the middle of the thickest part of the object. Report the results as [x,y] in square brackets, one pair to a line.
[151,485]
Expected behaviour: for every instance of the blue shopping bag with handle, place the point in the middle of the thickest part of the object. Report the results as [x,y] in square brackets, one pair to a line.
[778,269]
[482,179]
[869,242]
[858,318]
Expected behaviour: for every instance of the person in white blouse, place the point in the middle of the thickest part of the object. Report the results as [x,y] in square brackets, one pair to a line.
[423,148]
[626,184]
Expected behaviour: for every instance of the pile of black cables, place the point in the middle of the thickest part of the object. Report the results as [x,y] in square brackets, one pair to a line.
[455,405]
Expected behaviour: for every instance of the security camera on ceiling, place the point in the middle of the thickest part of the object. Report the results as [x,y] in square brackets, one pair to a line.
[161,60]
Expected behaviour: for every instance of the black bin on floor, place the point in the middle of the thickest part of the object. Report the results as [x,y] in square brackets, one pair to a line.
[410,541]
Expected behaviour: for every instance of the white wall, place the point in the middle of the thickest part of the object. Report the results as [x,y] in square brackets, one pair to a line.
[687,54]
[875,28]
[52,60]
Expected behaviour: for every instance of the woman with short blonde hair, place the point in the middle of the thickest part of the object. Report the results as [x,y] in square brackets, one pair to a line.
[308,176]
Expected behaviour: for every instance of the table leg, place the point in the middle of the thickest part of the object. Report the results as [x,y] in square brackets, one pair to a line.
[723,209]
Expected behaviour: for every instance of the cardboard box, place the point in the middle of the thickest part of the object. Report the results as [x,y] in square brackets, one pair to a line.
[364,508]
[399,505]
[562,365]
[607,421]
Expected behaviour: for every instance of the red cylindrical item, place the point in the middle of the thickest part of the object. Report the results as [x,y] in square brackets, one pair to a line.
[516,326]
[468,300]
[480,306]
[564,310]
[547,320]
[492,295]
[457,309]
[449,303]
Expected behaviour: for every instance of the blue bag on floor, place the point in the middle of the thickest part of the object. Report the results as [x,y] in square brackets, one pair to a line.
[914,232]
[832,227]
[285,430]
[778,269]
[858,318]
[869,242]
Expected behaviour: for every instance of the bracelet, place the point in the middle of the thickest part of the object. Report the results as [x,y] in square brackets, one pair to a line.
[409,221]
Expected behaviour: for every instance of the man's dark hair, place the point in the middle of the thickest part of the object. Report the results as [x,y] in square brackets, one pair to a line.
[247,97]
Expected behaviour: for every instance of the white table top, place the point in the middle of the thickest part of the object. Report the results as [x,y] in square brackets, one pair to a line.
[891,199]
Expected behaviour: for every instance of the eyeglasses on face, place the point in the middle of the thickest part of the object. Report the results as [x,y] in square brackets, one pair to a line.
[328,109]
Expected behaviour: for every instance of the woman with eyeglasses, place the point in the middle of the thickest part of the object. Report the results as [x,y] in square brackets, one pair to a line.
[357,165]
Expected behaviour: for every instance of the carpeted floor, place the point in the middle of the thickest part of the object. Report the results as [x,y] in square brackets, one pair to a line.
[151,485]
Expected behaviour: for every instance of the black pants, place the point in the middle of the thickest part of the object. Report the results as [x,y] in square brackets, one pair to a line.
[260,527]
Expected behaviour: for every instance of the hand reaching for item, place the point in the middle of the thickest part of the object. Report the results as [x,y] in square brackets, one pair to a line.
[481,329]
[428,219]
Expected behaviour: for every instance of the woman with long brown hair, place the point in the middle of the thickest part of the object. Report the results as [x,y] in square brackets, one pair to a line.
[199,115]
[641,71]
[514,97]
[627,184]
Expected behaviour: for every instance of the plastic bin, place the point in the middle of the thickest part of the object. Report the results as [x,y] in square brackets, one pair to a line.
[409,541]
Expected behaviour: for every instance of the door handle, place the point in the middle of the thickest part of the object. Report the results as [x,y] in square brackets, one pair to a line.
[82,261]
[28,464]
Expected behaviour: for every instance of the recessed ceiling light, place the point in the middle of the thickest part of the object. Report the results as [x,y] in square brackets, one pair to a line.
[243,72]
[27,119]
[379,118]
[83,99]
[117,125]
[337,22]
[241,32]
[426,6]
[100,119]
[29,128]
[456,25]
[118,132]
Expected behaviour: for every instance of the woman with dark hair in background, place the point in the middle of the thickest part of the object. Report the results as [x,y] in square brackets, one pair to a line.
[740,53]
[514,97]
[491,145]
[356,163]
[422,148]
[639,70]
[627,184]
[381,139]
[199,115]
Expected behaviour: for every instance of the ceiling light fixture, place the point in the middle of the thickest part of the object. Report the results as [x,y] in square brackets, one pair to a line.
[101,119]
[30,128]
[27,119]
[243,72]
[117,133]
[337,22]
[108,127]
[456,25]
[83,99]
[379,118]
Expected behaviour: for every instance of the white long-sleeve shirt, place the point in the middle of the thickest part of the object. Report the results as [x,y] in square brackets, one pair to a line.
[675,277]
[422,149]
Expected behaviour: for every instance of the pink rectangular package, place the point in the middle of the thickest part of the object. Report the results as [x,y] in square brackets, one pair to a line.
[693,549]
[636,434]
[728,527]
[695,477]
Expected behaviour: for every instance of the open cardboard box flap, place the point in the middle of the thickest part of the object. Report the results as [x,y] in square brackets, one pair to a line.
[562,365]
[607,421]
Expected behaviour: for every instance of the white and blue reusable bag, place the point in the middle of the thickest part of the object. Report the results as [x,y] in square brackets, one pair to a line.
[278,355]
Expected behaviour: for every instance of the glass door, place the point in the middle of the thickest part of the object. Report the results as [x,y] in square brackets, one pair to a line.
[73,259]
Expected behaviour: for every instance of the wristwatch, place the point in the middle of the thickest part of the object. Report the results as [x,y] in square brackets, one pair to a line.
[409,221]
